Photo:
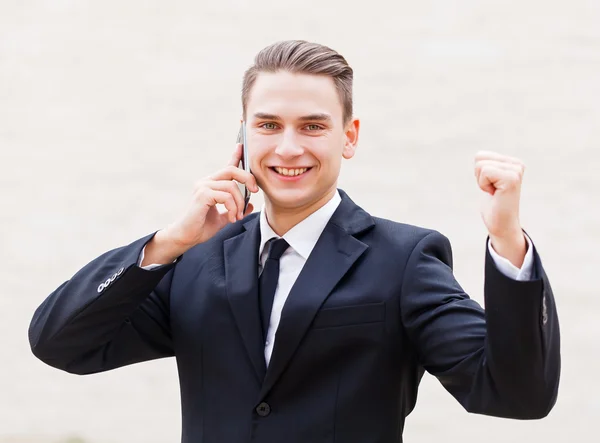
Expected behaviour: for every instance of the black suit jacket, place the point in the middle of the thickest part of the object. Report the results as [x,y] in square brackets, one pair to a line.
[375,305]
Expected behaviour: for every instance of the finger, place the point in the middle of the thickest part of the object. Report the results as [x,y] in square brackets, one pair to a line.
[517,168]
[492,178]
[490,155]
[236,157]
[231,187]
[225,198]
[485,183]
[234,173]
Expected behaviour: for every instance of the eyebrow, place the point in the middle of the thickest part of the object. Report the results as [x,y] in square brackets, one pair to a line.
[316,118]
[321,117]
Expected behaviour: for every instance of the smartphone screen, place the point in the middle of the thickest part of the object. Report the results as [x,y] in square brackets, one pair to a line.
[244,163]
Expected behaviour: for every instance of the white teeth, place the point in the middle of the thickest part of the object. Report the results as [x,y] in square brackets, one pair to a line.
[290,172]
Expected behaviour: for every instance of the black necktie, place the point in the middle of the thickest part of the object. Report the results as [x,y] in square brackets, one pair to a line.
[267,282]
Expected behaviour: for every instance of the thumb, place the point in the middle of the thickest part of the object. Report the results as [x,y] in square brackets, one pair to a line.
[218,219]
[487,178]
[249,209]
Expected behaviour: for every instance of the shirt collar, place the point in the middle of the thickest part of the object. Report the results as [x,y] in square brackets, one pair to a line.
[304,236]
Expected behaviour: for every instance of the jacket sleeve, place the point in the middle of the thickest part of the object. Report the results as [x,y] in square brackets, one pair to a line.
[504,361]
[111,313]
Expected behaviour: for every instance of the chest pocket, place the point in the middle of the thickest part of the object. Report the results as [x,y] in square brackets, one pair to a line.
[349,315]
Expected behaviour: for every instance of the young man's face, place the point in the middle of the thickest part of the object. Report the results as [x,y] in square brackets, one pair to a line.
[296,137]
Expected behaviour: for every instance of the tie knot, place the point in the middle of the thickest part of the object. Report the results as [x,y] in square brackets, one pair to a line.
[277,248]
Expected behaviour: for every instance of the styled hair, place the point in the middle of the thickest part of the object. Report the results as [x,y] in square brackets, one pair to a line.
[302,57]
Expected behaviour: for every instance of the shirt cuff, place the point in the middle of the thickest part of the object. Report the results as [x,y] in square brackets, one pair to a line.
[150,266]
[508,269]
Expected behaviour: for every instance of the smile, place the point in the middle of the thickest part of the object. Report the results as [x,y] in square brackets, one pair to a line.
[290,172]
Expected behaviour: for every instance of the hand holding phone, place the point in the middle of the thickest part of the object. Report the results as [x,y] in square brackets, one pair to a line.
[202,220]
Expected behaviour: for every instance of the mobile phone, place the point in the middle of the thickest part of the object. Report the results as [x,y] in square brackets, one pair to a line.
[244,163]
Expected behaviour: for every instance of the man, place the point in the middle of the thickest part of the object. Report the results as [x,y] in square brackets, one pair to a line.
[312,321]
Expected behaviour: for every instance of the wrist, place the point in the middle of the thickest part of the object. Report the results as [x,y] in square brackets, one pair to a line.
[512,246]
[162,249]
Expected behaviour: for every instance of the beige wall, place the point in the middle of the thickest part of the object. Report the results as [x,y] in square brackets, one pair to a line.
[109,111]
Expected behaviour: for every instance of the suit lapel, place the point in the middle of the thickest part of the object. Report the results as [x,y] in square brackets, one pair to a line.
[335,252]
[241,275]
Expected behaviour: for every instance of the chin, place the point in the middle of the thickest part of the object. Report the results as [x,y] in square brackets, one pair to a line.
[291,198]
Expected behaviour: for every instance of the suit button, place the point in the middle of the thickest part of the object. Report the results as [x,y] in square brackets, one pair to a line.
[263,409]
[544,310]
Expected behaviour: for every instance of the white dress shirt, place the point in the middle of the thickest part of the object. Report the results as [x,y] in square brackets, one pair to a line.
[303,237]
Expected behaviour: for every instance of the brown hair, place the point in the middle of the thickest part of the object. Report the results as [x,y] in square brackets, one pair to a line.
[302,57]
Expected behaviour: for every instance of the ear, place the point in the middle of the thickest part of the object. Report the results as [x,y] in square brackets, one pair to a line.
[352,129]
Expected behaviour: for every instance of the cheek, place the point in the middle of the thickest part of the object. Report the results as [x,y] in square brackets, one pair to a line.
[329,155]
[257,152]
[334,163]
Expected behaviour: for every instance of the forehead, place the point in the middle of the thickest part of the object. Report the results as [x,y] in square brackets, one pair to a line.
[292,95]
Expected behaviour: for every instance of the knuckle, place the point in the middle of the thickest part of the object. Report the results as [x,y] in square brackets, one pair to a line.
[199,191]
[200,184]
[232,186]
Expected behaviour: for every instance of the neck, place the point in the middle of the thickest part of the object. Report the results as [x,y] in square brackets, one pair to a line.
[282,220]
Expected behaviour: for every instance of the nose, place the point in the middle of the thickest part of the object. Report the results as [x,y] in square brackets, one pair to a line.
[288,145]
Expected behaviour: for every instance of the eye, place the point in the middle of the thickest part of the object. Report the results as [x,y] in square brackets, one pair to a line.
[314,127]
[269,126]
